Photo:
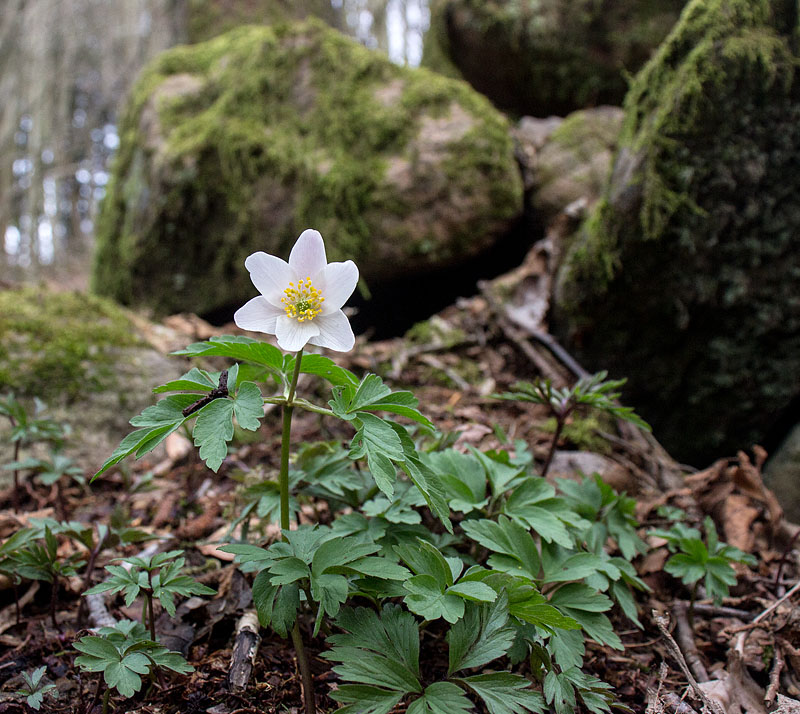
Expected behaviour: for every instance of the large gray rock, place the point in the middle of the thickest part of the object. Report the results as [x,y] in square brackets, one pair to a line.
[240,143]
[685,277]
[542,57]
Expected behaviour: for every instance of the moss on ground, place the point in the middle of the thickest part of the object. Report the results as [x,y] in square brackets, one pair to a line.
[59,345]
[685,276]
[239,143]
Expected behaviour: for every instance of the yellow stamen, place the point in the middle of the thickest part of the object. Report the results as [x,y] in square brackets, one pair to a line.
[303,302]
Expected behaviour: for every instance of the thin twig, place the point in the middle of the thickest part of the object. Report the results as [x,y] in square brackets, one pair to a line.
[662,621]
[774,675]
[654,705]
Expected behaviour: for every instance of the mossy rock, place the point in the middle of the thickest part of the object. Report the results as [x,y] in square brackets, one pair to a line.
[684,279]
[541,57]
[85,358]
[568,160]
[208,18]
[240,143]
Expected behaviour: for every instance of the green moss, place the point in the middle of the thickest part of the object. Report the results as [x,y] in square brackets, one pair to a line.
[434,331]
[582,432]
[59,344]
[240,143]
[684,278]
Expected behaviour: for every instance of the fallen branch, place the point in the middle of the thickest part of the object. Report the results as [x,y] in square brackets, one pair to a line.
[244,650]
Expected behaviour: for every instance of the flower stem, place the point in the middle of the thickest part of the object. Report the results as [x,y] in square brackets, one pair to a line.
[297,639]
[288,410]
[560,419]
[305,670]
[150,619]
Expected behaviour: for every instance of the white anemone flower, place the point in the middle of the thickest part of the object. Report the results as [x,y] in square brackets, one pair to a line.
[301,301]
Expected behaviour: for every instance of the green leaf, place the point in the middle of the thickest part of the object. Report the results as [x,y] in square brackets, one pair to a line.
[377,441]
[365,699]
[568,647]
[124,675]
[559,692]
[288,570]
[166,411]
[579,566]
[212,430]
[248,406]
[529,605]
[578,596]
[264,593]
[403,404]
[463,478]
[686,567]
[425,479]
[327,369]
[237,347]
[195,380]
[369,391]
[505,693]
[285,607]
[441,698]
[428,600]
[424,558]
[339,551]
[330,591]
[377,567]
[502,474]
[377,650]
[473,591]
[173,661]
[140,441]
[481,636]
[98,647]
[509,539]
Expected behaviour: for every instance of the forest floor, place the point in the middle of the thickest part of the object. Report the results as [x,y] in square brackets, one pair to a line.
[744,653]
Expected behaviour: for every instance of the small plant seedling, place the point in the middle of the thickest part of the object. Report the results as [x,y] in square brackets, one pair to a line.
[36,688]
[695,558]
[27,430]
[123,654]
[37,561]
[593,391]
[158,576]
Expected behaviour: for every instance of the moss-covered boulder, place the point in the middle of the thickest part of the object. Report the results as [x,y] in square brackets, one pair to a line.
[685,277]
[543,57]
[208,18]
[240,143]
[85,357]
[567,160]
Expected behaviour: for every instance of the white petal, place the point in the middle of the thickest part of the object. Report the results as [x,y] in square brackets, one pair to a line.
[257,315]
[292,334]
[337,284]
[270,275]
[335,332]
[308,255]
